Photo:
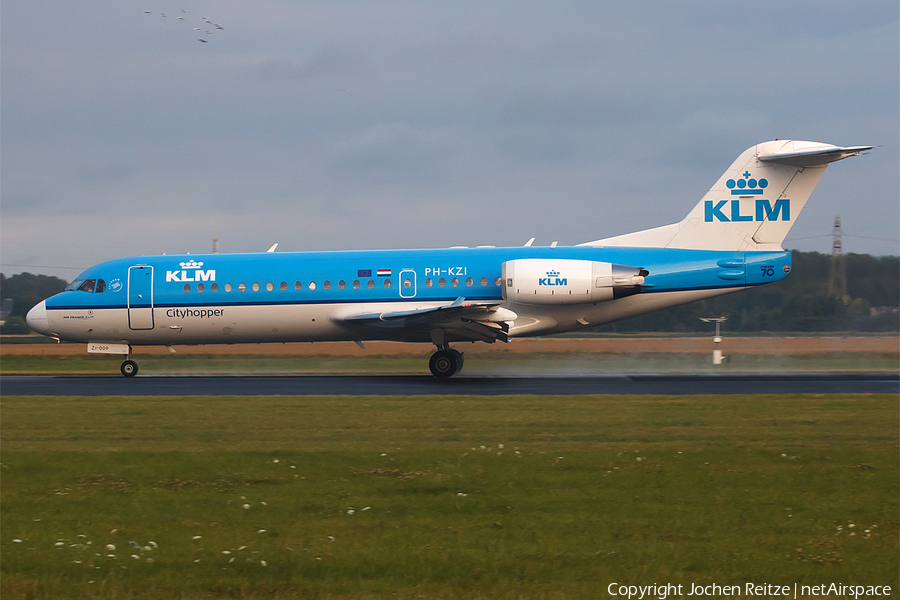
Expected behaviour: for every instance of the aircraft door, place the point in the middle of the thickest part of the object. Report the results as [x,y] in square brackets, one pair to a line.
[140,297]
[407,283]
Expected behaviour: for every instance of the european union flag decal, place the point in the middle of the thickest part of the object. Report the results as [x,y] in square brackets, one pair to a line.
[364,273]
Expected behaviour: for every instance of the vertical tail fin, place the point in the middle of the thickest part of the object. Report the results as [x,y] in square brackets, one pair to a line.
[753,204]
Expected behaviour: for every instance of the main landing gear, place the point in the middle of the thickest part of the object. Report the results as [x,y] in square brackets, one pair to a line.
[446,362]
[129,368]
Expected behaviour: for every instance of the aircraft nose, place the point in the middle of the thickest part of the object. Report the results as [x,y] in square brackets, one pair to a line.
[37,318]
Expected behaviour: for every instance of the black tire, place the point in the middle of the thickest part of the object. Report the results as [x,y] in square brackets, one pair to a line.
[460,359]
[129,368]
[443,363]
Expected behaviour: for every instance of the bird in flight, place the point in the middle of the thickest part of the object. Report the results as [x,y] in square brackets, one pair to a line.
[216,27]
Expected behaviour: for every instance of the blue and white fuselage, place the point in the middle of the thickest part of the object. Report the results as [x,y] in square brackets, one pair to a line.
[312,296]
[730,241]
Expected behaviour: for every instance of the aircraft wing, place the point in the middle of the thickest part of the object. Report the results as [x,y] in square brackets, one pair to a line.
[461,320]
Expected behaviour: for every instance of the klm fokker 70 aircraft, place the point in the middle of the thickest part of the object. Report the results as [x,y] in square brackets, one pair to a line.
[731,240]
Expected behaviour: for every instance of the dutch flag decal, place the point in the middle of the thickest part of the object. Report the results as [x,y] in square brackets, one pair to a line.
[383,272]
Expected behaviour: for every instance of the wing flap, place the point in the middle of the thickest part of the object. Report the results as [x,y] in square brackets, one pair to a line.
[475,321]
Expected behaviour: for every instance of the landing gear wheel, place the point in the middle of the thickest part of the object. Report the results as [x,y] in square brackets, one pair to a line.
[460,359]
[129,368]
[444,363]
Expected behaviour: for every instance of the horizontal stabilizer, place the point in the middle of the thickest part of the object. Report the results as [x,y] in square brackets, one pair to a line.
[813,157]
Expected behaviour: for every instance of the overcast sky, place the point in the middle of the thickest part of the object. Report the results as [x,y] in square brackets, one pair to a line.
[398,124]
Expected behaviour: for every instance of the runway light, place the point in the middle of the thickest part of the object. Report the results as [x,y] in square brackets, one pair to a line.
[717,357]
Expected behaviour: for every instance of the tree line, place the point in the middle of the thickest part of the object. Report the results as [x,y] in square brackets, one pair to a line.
[799,302]
[25,290]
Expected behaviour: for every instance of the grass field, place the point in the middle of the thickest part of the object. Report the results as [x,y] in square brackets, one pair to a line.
[444,497]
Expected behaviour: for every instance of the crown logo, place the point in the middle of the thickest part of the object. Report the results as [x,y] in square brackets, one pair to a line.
[746,186]
[552,273]
[191,264]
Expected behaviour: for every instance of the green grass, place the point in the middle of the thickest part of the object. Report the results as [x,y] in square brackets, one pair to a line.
[584,491]
[189,364]
[497,363]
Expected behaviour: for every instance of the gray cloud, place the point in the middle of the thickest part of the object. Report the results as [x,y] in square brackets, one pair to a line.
[396,124]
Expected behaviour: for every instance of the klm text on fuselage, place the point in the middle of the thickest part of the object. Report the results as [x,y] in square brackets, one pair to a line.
[765,211]
[184,276]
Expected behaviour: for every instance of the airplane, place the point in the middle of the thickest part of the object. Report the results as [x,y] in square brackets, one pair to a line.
[731,240]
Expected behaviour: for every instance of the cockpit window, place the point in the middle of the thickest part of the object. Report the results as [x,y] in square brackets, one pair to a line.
[95,286]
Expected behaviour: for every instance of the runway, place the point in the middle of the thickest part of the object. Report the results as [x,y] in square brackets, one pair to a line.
[411,385]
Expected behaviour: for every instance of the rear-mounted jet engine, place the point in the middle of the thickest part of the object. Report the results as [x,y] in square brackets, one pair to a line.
[552,281]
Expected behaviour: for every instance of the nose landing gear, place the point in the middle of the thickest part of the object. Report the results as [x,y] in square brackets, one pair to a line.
[446,362]
[129,368]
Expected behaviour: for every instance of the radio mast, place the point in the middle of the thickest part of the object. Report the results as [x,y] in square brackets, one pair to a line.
[837,283]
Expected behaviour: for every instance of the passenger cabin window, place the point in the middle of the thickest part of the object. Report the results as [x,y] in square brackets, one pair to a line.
[214,287]
[371,284]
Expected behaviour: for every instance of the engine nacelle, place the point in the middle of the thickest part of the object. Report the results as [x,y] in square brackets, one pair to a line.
[564,281]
